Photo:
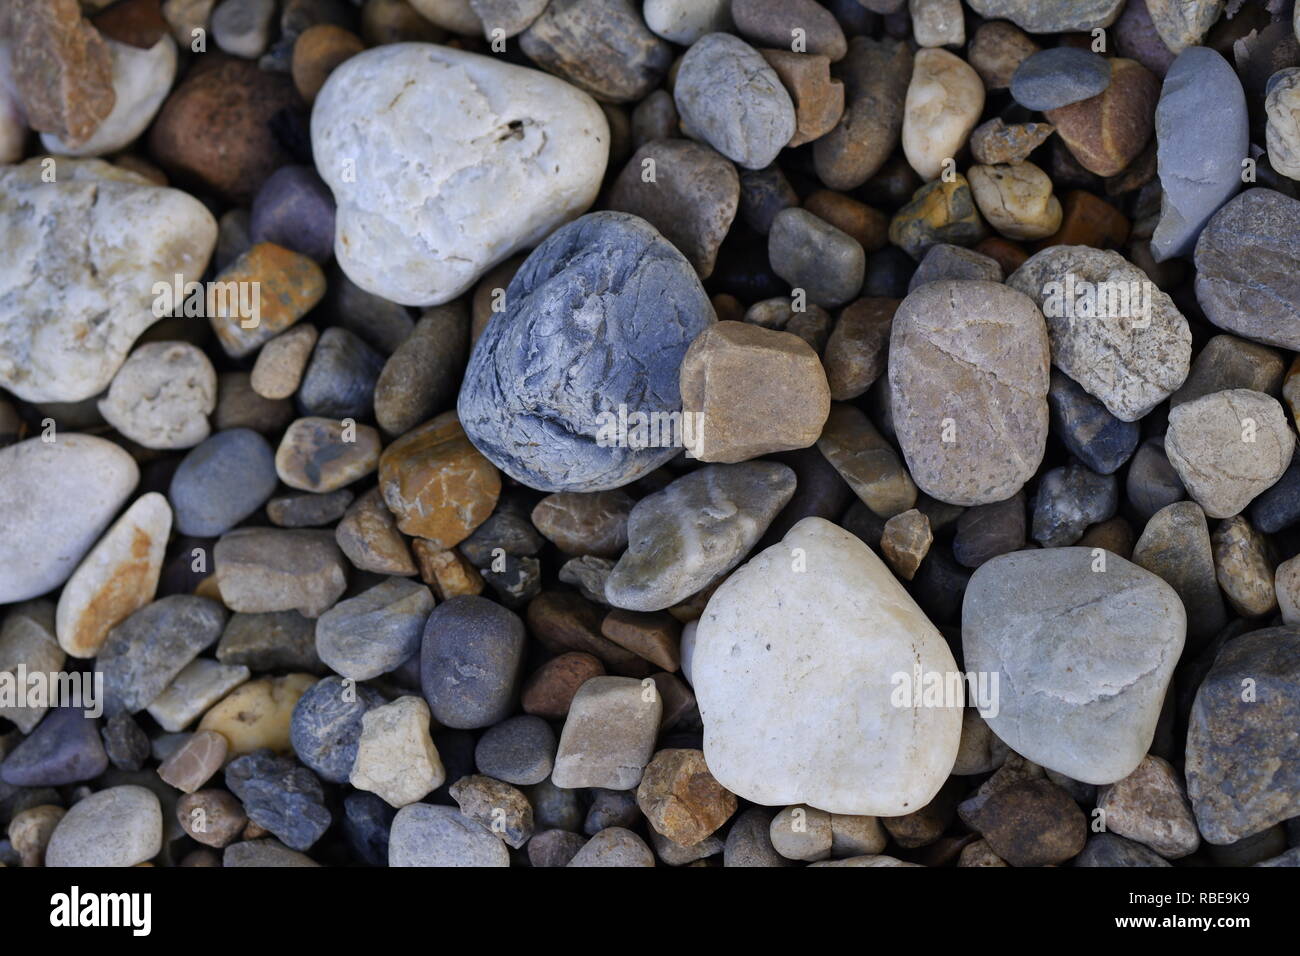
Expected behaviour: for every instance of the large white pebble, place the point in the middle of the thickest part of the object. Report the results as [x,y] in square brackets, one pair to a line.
[795,665]
[120,826]
[444,163]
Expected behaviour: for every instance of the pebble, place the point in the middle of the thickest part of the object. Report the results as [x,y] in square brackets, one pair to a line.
[497,806]
[1109,850]
[988,530]
[1089,432]
[373,633]
[125,743]
[1241,759]
[548,692]
[308,510]
[731,417]
[258,714]
[1229,446]
[906,541]
[119,826]
[64,748]
[609,734]
[199,685]
[996,51]
[520,750]
[68,329]
[791,621]
[317,52]
[1287,584]
[324,454]
[341,376]
[1181,24]
[216,131]
[944,101]
[1152,482]
[855,353]
[288,286]
[728,95]
[605,49]
[940,212]
[396,758]
[277,641]
[1016,200]
[680,798]
[238,406]
[162,396]
[1202,136]
[369,538]
[1175,545]
[813,255]
[1151,807]
[1058,77]
[691,196]
[470,662]
[294,209]
[548,434]
[419,379]
[211,817]
[941,356]
[1085,706]
[802,833]
[366,822]
[195,761]
[1107,132]
[327,724]
[771,23]
[611,808]
[875,73]
[280,796]
[995,141]
[465,106]
[1034,16]
[818,99]
[221,482]
[1132,354]
[243,27]
[1282,134]
[1245,262]
[117,577]
[653,636]
[279,569]
[749,842]
[1031,823]
[1244,565]
[424,835]
[263,853]
[1229,362]
[866,461]
[1070,499]
[593,523]
[685,21]
[30,831]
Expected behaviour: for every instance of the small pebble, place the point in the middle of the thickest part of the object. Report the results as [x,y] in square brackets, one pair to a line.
[222,482]
[520,750]
[258,714]
[396,758]
[162,396]
[280,363]
[194,763]
[614,846]
[323,455]
[470,662]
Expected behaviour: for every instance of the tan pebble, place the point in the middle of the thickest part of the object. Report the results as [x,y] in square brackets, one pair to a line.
[195,761]
[281,362]
[257,714]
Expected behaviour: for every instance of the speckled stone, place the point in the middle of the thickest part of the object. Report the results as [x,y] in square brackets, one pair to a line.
[326,726]
[324,454]
[470,662]
[280,796]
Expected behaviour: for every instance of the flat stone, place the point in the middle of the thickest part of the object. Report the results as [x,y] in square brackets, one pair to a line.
[771,23]
[1229,362]
[813,255]
[162,396]
[1152,482]
[1058,77]
[258,714]
[1175,545]
[1110,850]
[1107,132]
[1031,823]
[1202,136]
[288,286]
[654,636]
[945,261]
[424,835]
[341,376]
[264,853]
[221,482]
[755,663]
[125,743]
[419,379]
[470,662]
[563,621]
[120,826]
[944,101]
[593,523]
[294,209]
[866,461]
[369,538]
[280,796]
[728,95]
[1228,447]
[685,21]
[274,569]
[238,406]
[680,798]
[949,344]
[194,763]
[1151,807]
[467,109]
[64,748]
[1085,657]
[818,99]
[608,735]
[1037,17]
[1088,431]
[199,685]
[308,510]
[1243,562]
[1241,753]
[557,426]
[278,641]
[323,455]
[1118,336]
[875,73]
[376,631]
[1245,260]
[145,652]
[396,758]
[855,353]
[117,577]
[986,531]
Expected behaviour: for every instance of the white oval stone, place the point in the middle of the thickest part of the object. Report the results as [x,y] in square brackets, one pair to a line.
[141,81]
[944,101]
[162,396]
[118,577]
[444,163]
[55,499]
[120,826]
[796,665]
[79,259]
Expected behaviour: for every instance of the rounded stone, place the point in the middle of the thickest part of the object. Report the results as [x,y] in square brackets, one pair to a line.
[1106,132]
[120,826]
[944,101]
[519,750]
[685,21]
[162,396]
[470,662]
[294,209]
[326,726]
[324,455]
[222,482]
[424,835]
[376,631]
[1058,77]
[1016,200]
[813,255]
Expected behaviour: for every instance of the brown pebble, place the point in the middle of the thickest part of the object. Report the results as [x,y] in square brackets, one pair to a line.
[681,799]
[1088,220]
[818,99]
[980,853]
[368,537]
[564,621]
[1115,535]
[317,52]
[490,295]
[580,523]
[906,541]
[1009,255]
[1031,823]
[1106,132]
[137,23]
[870,227]
[446,570]
[212,817]
[727,307]
[654,636]
[194,763]
[996,50]
[856,351]
[997,142]
[549,690]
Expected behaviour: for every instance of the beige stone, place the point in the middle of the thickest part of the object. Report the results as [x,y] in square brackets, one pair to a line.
[323,455]
[906,541]
[944,102]
[1016,200]
[862,456]
[258,714]
[277,373]
[1150,806]
[396,758]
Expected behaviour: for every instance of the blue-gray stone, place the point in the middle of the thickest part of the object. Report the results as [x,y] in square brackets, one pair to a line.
[374,632]
[506,529]
[326,726]
[221,482]
[1090,432]
[64,748]
[145,652]
[1058,77]
[295,209]
[341,376]
[126,745]
[1070,499]
[520,750]
[366,821]
[946,261]
[1202,135]
[1107,849]
[596,319]
[1279,506]
[281,796]
[1152,482]
[471,658]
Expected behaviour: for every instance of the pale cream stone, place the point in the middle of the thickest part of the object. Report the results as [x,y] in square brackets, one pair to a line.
[258,714]
[1016,200]
[396,758]
[944,102]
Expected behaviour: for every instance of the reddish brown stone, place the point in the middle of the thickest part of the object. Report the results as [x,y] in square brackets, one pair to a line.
[564,621]
[1087,220]
[655,637]
[1106,132]
[137,23]
[818,100]
[194,763]
[681,799]
[870,227]
[549,690]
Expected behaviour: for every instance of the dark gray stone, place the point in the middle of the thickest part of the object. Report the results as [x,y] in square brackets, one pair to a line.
[1152,482]
[1070,499]
[143,654]
[340,378]
[511,532]
[611,808]
[326,727]
[281,796]
[889,274]
[554,847]
[376,631]
[221,482]
[125,743]
[381,324]
[471,659]
[1088,431]
[274,641]
[64,748]
[1279,507]
[1107,849]
[598,317]
[419,379]
[366,821]
[1059,76]
[520,750]
[811,254]
[307,510]
[518,581]
[985,531]
[295,209]
[1248,268]
[749,841]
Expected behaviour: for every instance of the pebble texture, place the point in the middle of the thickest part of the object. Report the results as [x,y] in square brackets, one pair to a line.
[120,826]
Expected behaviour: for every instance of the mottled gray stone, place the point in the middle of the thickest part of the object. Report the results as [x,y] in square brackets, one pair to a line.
[1059,76]
[424,835]
[1175,545]
[340,378]
[811,254]
[519,750]
[1070,499]
[326,727]
[374,632]
[222,482]
[470,662]
[280,795]
[946,261]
